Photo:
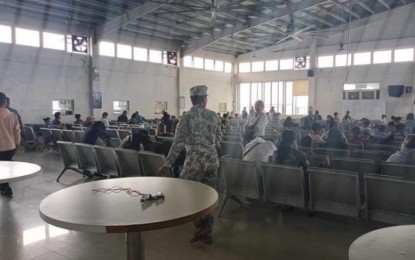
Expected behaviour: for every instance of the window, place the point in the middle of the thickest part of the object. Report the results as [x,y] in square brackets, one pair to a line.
[244,67]
[27,37]
[209,64]
[271,65]
[107,49]
[382,57]
[325,61]
[288,97]
[120,105]
[286,64]
[228,67]
[362,58]
[257,66]
[218,65]
[64,106]
[54,41]
[404,55]
[140,54]
[155,56]
[187,62]
[5,34]
[342,59]
[244,95]
[198,63]
[267,96]
[124,51]
[356,91]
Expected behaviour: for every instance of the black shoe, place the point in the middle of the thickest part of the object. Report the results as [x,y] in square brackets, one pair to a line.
[7,191]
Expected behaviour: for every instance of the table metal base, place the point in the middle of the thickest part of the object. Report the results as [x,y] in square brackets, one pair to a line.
[135,246]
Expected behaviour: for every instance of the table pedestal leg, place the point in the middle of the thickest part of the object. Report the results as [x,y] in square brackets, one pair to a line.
[135,246]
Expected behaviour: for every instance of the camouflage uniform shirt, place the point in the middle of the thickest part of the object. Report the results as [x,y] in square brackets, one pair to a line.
[199,132]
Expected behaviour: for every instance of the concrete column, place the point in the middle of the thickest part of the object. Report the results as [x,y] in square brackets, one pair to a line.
[94,78]
[312,99]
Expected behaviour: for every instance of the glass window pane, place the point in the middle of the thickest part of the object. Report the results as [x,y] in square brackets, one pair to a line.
[27,37]
[274,98]
[259,86]
[5,34]
[287,64]
[198,63]
[140,54]
[155,56]
[362,58]
[124,51]
[372,85]
[209,64]
[228,67]
[382,57]
[280,95]
[254,93]
[54,41]
[257,66]
[288,98]
[244,67]
[244,94]
[404,55]
[301,105]
[219,65]
[325,61]
[349,86]
[267,96]
[271,65]
[341,60]
[187,62]
[107,49]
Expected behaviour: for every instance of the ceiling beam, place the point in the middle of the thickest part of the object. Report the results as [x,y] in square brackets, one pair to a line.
[318,18]
[222,51]
[334,15]
[65,7]
[208,39]
[48,12]
[385,4]
[365,6]
[159,26]
[154,34]
[124,19]
[345,8]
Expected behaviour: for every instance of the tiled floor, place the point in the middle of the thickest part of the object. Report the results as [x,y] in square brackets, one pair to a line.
[258,231]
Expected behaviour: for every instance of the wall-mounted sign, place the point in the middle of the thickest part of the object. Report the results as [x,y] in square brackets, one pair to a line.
[96,99]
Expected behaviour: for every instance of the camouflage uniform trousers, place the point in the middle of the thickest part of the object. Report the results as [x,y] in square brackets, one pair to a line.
[202,166]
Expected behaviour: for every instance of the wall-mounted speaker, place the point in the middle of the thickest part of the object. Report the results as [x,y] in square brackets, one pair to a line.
[396,90]
[310,73]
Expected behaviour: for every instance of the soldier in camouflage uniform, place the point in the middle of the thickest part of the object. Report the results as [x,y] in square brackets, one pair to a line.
[199,132]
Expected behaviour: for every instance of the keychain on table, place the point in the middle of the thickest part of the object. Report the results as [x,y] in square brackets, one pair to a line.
[131,192]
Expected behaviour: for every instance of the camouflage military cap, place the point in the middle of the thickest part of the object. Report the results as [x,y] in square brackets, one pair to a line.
[199,90]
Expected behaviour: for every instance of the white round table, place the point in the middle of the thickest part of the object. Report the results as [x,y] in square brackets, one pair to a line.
[392,243]
[12,170]
[78,208]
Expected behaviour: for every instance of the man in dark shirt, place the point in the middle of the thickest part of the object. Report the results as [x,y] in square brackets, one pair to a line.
[123,117]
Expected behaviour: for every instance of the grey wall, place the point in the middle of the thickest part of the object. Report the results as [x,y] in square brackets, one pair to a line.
[33,77]
[142,83]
